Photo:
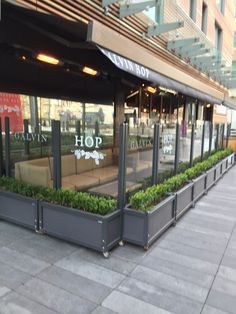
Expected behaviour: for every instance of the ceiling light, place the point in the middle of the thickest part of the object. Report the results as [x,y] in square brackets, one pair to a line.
[89,71]
[208,105]
[47,59]
[151,89]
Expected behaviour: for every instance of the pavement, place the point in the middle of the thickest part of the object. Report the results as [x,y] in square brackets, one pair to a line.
[191,269]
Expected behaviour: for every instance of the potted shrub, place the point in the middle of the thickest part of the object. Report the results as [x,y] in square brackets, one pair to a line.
[85,219]
[18,203]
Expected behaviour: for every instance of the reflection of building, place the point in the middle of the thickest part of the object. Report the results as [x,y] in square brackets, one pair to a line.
[92,64]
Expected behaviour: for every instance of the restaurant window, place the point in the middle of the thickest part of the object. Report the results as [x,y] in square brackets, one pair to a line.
[218,38]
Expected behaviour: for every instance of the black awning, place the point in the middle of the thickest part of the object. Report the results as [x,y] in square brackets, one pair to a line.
[156,78]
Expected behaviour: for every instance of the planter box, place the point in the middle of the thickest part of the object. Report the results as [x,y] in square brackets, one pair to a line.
[231,160]
[224,165]
[184,200]
[144,228]
[93,231]
[199,187]
[218,173]
[210,178]
[19,209]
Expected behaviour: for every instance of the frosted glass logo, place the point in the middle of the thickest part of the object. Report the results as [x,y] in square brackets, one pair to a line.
[89,142]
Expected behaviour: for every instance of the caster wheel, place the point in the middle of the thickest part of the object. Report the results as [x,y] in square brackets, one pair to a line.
[174,224]
[121,243]
[146,248]
[106,254]
[193,205]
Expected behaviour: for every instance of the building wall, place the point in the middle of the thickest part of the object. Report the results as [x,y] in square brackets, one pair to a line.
[225,21]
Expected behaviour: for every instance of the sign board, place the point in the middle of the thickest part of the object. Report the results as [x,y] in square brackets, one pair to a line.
[168,144]
[10,106]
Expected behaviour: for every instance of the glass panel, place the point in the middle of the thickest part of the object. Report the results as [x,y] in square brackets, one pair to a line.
[214,135]
[198,139]
[140,153]
[185,141]
[206,137]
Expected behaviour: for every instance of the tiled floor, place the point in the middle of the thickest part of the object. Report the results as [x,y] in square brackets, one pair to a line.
[190,270]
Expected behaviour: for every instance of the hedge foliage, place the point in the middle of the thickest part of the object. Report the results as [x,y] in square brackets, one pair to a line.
[78,200]
[145,199]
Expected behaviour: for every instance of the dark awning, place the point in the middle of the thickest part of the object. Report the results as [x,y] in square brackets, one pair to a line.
[155,77]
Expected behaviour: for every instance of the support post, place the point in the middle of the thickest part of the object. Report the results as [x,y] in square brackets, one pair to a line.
[176,149]
[217,136]
[192,145]
[228,134]
[203,140]
[78,128]
[96,128]
[155,156]
[1,149]
[26,131]
[7,147]
[56,153]
[210,138]
[123,139]
[223,135]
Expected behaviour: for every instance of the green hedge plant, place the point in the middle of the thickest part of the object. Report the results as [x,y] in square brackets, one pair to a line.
[146,199]
[78,200]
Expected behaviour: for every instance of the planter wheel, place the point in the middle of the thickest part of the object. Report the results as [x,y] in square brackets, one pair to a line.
[121,243]
[106,254]
[174,223]
[146,247]
[193,204]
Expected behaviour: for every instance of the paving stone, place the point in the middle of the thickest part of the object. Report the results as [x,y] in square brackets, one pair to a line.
[213,208]
[91,271]
[227,272]
[212,214]
[196,242]
[124,304]
[225,286]
[3,290]
[130,252]
[113,262]
[10,233]
[190,262]
[22,261]
[47,249]
[222,301]
[179,271]
[229,261]
[187,250]
[55,298]
[11,277]
[231,253]
[159,297]
[75,284]
[212,310]
[170,283]
[15,303]
[102,310]
[209,232]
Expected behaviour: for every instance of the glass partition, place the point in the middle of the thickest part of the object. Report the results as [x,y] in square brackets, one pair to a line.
[214,137]
[198,139]
[185,142]
[207,136]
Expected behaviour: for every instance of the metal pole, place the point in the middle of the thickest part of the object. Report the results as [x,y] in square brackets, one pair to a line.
[176,149]
[7,147]
[210,138]
[192,144]
[123,140]
[78,128]
[96,128]
[223,135]
[1,149]
[217,136]
[26,131]
[155,157]
[228,134]
[56,153]
[203,140]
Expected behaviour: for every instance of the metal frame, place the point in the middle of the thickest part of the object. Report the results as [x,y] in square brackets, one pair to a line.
[176,149]
[132,8]
[192,145]
[155,158]
[106,3]
[210,138]
[26,130]
[1,149]
[156,30]
[123,140]
[180,43]
[7,147]
[203,139]
[56,152]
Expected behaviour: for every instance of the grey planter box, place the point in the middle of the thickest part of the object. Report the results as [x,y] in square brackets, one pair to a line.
[19,209]
[100,233]
[144,228]
[218,173]
[224,165]
[231,160]
[184,200]
[199,187]
[210,178]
